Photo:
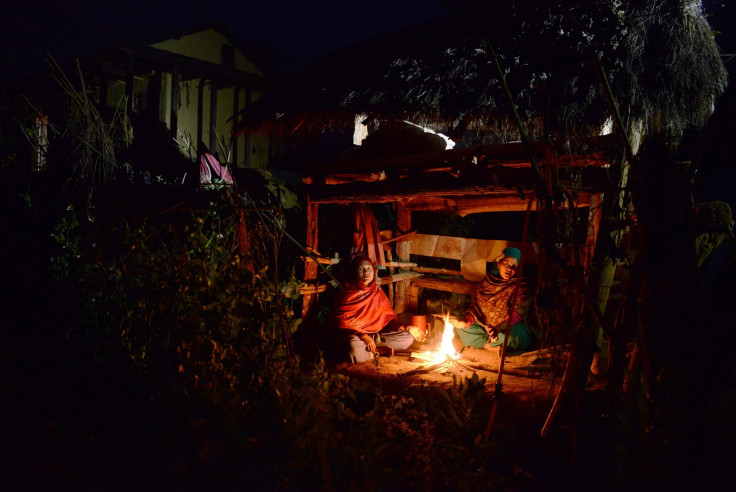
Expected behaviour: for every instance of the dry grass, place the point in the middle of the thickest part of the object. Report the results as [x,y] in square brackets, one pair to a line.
[96,142]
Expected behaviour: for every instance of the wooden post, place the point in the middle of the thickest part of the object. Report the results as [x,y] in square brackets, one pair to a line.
[173,115]
[246,137]
[412,298]
[103,87]
[129,74]
[200,115]
[595,213]
[309,301]
[403,250]
[213,119]
[234,145]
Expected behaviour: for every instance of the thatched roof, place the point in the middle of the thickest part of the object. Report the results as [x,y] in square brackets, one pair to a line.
[660,57]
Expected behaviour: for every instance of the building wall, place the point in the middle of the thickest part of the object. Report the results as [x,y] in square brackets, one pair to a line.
[207,46]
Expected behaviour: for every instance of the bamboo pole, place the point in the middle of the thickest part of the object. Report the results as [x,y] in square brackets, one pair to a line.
[507,330]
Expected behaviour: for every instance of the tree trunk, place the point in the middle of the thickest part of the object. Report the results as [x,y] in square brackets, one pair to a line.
[670,314]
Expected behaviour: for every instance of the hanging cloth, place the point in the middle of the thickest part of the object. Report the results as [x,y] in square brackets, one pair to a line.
[366,236]
[209,163]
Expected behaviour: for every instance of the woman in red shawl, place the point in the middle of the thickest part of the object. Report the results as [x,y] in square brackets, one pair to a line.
[364,319]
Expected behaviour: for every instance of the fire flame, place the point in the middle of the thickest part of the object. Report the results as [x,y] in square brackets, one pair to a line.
[447,349]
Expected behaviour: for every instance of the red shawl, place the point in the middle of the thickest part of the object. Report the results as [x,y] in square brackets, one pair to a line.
[362,308]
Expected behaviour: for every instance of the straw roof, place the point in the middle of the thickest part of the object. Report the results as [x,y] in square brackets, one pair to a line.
[660,56]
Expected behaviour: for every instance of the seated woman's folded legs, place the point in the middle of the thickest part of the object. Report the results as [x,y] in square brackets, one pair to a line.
[476,336]
[358,352]
[397,340]
[473,336]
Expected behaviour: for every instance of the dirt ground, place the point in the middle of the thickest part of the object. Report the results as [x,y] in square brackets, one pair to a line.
[530,383]
[530,380]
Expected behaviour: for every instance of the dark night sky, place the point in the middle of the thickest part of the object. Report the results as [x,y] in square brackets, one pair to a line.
[298,29]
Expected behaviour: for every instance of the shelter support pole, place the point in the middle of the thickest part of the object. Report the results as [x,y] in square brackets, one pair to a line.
[200,115]
[103,87]
[595,212]
[213,119]
[403,250]
[174,112]
[309,301]
[246,136]
[233,129]
[129,75]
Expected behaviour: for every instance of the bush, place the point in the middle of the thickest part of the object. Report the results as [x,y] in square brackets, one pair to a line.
[208,334]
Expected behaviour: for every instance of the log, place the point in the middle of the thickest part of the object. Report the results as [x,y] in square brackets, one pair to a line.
[437,271]
[388,279]
[311,289]
[400,264]
[456,286]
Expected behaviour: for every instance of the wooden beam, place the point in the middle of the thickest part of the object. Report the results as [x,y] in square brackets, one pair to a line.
[456,286]
[400,264]
[323,261]
[399,277]
[502,186]
[403,237]
[507,154]
[502,201]
[437,271]
[312,289]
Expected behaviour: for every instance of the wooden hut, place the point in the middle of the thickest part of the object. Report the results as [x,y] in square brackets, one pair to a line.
[523,91]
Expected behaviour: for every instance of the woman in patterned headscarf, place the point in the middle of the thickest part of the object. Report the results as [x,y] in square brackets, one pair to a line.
[485,320]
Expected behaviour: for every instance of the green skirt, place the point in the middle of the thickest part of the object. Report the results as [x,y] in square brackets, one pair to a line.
[475,336]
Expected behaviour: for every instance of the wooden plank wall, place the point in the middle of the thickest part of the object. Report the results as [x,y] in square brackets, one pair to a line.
[473,254]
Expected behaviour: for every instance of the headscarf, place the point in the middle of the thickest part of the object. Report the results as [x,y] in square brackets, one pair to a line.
[361,308]
[510,252]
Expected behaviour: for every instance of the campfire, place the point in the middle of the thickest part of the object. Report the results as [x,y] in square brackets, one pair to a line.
[444,356]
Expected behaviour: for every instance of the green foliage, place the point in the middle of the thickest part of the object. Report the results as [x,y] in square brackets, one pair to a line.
[180,301]
[209,333]
[344,434]
[66,235]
